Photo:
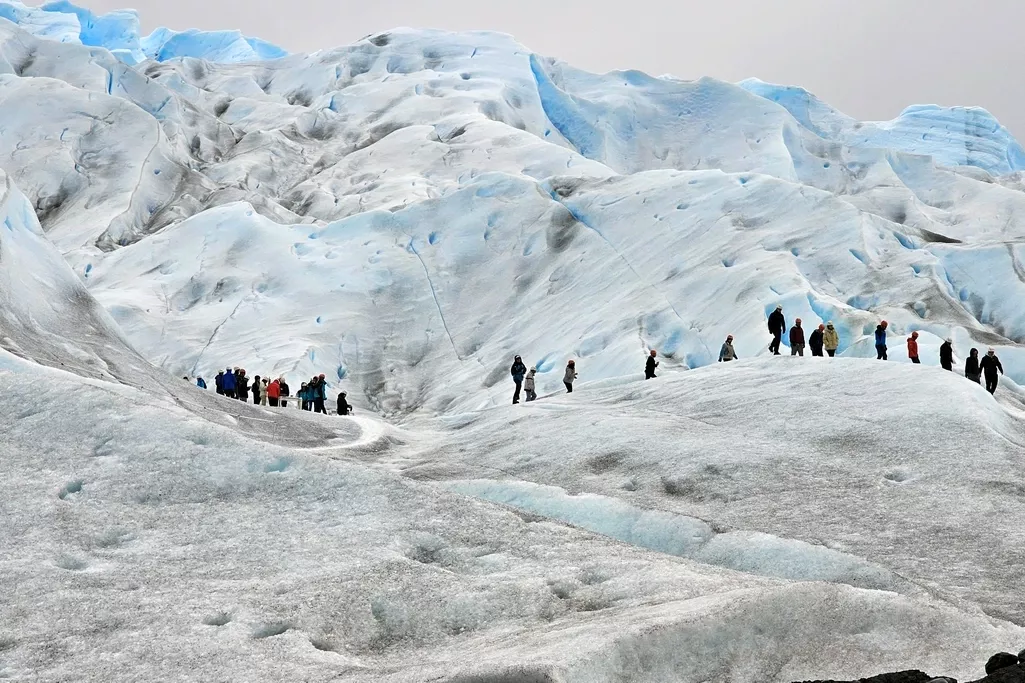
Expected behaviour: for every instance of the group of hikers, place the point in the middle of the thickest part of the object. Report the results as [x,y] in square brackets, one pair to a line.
[826,337]
[312,395]
[823,338]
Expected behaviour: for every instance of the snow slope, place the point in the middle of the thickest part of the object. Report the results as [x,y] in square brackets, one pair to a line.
[405,214]
[423,204]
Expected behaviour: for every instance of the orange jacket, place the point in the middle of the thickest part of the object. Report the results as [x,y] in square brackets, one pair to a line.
[273,389]
[912,348]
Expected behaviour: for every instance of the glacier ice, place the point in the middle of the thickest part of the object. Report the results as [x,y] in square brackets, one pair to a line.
[404,214]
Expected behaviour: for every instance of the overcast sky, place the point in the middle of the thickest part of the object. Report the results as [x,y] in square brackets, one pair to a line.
[868,58]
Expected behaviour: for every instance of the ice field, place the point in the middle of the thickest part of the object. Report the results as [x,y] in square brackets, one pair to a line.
[407,213]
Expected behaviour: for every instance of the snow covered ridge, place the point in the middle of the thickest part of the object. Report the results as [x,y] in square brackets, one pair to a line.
[423,205]
[119,32]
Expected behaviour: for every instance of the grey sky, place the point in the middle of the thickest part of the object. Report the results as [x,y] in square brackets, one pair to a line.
[868,58]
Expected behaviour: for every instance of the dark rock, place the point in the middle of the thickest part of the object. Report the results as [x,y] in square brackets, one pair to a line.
[898,677]
[1006,674]
[1000,660]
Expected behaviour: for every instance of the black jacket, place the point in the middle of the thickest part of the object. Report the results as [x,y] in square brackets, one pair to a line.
[284,389]
[971,366]
[990,364]
[777,323]
[343,406]
[815,340]
[946,353]
[241,384]
[649,367]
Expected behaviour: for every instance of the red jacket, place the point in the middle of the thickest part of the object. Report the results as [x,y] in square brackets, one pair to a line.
[912,348]
[273,389]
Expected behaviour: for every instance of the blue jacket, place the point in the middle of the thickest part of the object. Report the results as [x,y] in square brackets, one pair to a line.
[880,335]
[228,381]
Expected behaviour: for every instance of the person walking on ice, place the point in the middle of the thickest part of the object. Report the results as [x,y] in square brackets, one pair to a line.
[815,340]
[726,353]
[830,339]
[971,367]
[517,371]
[650,365]
[913,348]
[947,354]
[881,340]
[571,374]
[777,326]
[797,339]
[989,366]
[528,385]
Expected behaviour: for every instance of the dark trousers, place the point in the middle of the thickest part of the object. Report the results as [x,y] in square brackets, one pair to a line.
[256,399]
[916,361]
[531,395]
[776,339]
[516,394]
[569,387]
[816,351]
[220,391]
[284,403]
[991,384]
[272,400]
[946,365]
[306,405]
[318,406]
[649,375]
[881,352]
[831,352]
[797,350]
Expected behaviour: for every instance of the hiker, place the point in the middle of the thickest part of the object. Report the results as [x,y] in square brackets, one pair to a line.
[989,366]
[815,340]
[264,386]
[343,405]
[947,354]
[777,325]
[304,396]
[971,367]
[219,382]
[797,339]
[319,395]
[228,383]
[256,390]
[517,371]
[528,385]
[571,374]
[830,339]
[283,390]
[913,348]
[650,365]
[726,353]
[881,340]
[273,392]
[241,385]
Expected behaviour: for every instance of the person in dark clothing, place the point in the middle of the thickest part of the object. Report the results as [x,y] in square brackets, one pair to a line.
[518,371]
[989,366]
[201,383]
[284,391]
[304,396]
[947,354]
[971,367]
[256,390]
[815,340]
[228,382]
[777,325]
[797,339]
[650,365]
[570,376]
[241,386]
[881,340]
[320,395]
[343,406]
[219,383]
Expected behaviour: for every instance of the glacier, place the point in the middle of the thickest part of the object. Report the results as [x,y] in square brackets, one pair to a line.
[406,213]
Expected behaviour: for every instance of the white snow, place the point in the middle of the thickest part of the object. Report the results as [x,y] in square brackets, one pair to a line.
[405,214]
